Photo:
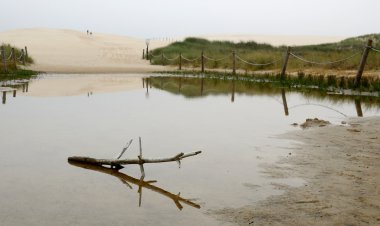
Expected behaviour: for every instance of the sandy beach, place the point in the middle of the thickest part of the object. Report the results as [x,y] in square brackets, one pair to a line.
[339,164]
[70,51]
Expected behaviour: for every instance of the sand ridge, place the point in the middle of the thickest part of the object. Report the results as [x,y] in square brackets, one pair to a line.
[69,51]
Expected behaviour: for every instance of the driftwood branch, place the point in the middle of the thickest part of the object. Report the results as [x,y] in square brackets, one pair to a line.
[126,179]
[115,162]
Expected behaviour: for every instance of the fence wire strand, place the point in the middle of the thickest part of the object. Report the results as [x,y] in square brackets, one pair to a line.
[323,63]
[212,59]
[10,56]
[190,60]
[256,64]
[170,59]
[376,50]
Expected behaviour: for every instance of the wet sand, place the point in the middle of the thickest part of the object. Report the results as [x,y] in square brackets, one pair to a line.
[341,166]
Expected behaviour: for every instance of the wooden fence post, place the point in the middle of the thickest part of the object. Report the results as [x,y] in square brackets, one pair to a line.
[143,54]
[202,62]
[150,58]
[286,59]
[23,56]
[13,56]
[362,63]
[147,51]
[180,62]
[26,52]
[234,62]
[3,57]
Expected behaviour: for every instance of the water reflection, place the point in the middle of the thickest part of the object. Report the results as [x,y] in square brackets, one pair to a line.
[188,86]
[358,106]
[284,102]
[141,183]
[12,87]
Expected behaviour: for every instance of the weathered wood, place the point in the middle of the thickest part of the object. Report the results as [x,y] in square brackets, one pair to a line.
[285,64]
[234,62]
[147,51]
[26,52]
[126,179]
[23,56]
[180,62]
[110,162]
[362,63]
[3,57]
[14,57]
[202,62]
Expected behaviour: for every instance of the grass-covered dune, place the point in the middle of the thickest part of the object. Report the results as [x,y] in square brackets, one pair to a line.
[191,48]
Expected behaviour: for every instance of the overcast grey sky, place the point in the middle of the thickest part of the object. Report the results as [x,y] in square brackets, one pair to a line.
[166,18]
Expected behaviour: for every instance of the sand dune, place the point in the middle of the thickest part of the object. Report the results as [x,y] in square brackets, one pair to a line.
[68,51]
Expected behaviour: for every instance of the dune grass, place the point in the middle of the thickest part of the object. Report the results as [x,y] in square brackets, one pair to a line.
[191,48]
[13,70]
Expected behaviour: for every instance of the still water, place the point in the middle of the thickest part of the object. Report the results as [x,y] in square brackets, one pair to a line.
[235,124]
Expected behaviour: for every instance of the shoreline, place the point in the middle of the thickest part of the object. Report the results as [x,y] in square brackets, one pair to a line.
[340,166]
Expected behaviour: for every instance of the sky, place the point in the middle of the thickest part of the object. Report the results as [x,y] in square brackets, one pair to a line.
[176,18]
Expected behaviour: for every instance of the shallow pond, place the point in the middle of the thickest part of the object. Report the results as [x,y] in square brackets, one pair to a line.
[234,123]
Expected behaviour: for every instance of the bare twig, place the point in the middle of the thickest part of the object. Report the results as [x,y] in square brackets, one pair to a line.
[124,149]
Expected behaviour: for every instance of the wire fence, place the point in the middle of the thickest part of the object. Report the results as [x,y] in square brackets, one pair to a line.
[326,62]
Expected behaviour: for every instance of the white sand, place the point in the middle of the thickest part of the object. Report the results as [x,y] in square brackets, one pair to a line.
[68,51]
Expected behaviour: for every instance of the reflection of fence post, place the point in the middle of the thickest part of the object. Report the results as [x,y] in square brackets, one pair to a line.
[233,91]
[284,102]
[202,86]
[4,97]
[286,58]
[358,107]
[23,56]
[143,54]
[13,57]
[234,62]
[3,58]
[14,93]
[362,63]
[180,62]
[162,59]
[202,62]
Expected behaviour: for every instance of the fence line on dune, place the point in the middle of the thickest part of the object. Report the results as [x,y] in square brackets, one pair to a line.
[289,53]
[12,59]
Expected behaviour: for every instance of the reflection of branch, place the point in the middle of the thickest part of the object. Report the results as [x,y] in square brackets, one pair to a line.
[177,199]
